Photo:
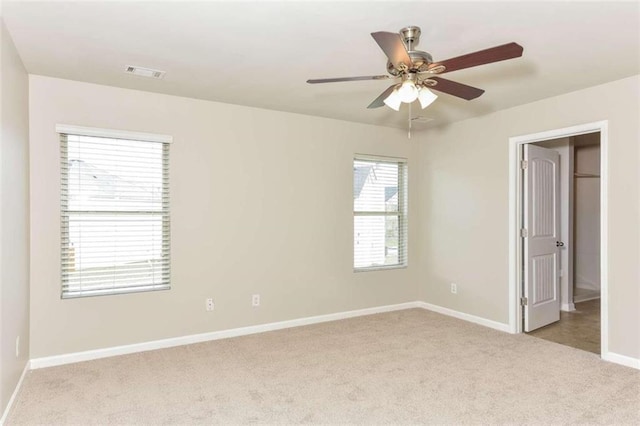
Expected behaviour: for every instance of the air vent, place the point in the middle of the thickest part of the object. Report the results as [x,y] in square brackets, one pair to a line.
[144,72]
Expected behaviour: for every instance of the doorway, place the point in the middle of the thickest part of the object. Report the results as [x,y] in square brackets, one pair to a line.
[576,322]
[574,306]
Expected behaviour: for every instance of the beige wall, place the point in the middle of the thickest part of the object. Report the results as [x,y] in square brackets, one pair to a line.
[464,184]
[260,205]
[14,217]
[261,202]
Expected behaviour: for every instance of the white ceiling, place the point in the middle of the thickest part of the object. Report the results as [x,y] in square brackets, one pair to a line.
[261,53]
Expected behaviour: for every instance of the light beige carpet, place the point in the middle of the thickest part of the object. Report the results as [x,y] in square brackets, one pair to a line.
[406,367]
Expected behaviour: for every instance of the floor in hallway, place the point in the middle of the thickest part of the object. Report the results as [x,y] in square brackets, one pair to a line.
[579,329]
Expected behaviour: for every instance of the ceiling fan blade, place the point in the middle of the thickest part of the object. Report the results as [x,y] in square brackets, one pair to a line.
[392,46]
[481,57]
[456,89]
[379,101]
[335,80]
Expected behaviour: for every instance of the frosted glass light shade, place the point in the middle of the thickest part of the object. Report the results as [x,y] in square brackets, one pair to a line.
[393,101]
[408,91]
[426,97]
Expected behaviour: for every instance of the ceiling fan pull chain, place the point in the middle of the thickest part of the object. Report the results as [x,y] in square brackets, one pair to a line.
[409,132]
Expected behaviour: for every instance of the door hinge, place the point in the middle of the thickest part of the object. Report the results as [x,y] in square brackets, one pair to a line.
[524,233]
[523,301]
[524,164]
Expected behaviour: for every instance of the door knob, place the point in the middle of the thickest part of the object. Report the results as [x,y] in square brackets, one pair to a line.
[559,244]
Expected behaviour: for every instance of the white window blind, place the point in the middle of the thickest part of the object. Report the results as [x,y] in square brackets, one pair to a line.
[114,215]
[379,213]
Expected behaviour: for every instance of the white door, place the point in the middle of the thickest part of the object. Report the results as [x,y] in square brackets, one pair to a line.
[541,236]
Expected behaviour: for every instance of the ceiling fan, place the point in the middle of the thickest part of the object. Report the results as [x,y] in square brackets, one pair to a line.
[419,73]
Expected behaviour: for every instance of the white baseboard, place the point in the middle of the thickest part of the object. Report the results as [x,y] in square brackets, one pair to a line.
[622,360]
[568,307]
[7,409]
[467,317]
[579,299]
[70,358]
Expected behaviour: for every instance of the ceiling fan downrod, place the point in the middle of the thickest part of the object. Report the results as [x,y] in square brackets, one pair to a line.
[410,36]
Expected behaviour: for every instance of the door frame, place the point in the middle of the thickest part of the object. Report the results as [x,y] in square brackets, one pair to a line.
[515,221]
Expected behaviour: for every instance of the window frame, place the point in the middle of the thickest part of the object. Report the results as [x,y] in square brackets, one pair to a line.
[402,214]
[164,213]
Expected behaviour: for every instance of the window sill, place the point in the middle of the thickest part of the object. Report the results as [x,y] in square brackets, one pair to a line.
[94,293]
[379,268]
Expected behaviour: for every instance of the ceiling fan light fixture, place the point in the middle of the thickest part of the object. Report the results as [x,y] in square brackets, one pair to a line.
[393,101]
[426,97]
[408,92]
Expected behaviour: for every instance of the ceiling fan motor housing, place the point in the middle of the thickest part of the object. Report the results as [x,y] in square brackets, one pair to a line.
[421,60]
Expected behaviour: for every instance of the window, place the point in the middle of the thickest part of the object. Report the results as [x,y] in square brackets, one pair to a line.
[114,212]
[379,213]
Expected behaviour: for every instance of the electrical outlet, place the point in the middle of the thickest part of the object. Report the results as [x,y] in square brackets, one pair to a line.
[255,300]
[454,288]
[209,304]
[17,346]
